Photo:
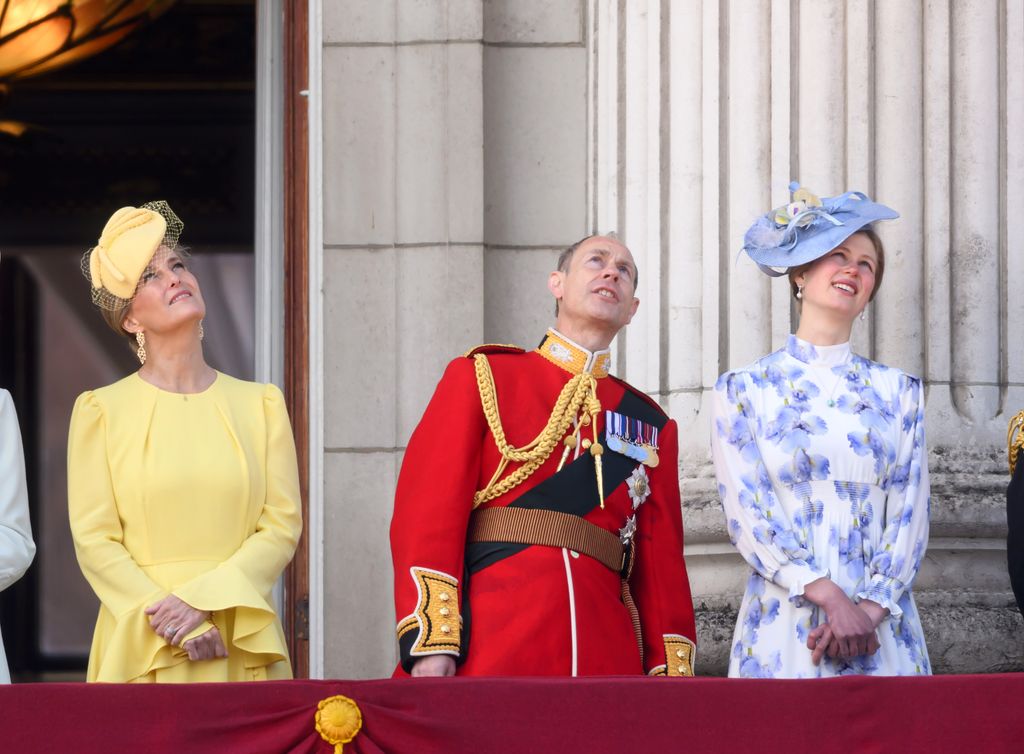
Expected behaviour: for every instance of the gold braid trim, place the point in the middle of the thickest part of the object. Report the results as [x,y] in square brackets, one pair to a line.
[1015,439]
[680,654]
[579,392]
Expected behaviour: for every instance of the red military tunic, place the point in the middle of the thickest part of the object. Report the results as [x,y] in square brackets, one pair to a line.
[514,609]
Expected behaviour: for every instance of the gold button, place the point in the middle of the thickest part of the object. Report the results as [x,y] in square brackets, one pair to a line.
[446,629]
[680,654]
[681,668]
[444,597]
[445,612]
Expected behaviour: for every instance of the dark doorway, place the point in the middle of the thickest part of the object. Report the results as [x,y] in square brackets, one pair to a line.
[169,113]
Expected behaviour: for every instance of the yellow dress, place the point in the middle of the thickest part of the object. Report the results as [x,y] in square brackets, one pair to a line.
[195,495]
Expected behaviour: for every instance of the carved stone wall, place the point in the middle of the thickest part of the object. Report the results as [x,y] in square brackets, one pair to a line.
[454,158]
[705,110]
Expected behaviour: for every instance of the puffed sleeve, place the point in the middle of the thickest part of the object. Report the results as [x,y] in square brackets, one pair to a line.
[758,525]
[120,584]
[131,649]
[16,546]
[244,581]
[433,501]
[896,561]
[660,586]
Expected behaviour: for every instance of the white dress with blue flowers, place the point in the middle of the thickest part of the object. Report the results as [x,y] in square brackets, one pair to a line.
[823,471]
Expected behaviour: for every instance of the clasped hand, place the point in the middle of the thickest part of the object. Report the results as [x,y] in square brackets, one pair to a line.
[434,666]
[850,630]
[173,619]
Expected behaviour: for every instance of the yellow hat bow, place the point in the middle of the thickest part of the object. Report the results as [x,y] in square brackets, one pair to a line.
[128,241]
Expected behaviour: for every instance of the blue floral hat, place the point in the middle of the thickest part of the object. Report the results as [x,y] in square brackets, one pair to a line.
[808,228]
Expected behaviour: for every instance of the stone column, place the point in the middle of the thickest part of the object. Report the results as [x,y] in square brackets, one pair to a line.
[535,156]
[918,104]
[403,268]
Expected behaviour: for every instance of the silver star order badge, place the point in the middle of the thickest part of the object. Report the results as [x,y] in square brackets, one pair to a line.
[626,532]
[639,486]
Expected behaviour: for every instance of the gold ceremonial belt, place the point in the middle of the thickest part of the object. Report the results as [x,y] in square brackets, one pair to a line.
[525,526]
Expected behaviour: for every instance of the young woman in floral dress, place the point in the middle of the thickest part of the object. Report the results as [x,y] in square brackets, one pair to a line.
[822,465]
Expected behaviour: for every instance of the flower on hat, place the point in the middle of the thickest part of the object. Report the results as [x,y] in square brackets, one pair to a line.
[765,233]
[779,228]
[796,212]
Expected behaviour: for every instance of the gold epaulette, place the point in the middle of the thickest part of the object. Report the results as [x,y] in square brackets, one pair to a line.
[493,348]
[1015,439]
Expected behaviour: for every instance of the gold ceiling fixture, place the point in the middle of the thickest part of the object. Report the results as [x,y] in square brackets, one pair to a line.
[40,35]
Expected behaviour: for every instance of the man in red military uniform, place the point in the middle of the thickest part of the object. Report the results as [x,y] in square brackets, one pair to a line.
[537,526]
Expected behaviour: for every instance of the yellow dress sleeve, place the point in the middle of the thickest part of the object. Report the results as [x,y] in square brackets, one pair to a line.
[244,581]
[118,581]
[126,647]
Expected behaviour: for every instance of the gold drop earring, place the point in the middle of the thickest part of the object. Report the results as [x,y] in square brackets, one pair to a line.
[140,338]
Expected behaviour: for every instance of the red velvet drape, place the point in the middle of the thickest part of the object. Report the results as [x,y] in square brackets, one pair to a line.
[979,713]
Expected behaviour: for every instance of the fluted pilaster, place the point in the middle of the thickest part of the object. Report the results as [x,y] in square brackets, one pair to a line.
[918,103]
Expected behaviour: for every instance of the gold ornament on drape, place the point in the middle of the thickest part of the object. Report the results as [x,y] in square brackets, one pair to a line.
[338,720]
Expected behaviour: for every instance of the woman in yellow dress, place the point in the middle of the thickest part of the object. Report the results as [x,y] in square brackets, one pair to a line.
[183,486]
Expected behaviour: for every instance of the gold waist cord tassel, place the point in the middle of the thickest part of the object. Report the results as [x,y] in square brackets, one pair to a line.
[596,450]
[570,443]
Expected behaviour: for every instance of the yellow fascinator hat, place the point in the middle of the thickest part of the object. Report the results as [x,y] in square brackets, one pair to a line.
[128,242]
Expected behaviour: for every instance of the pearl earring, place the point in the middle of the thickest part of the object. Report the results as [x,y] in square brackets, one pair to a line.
[863,313]
[799,291]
